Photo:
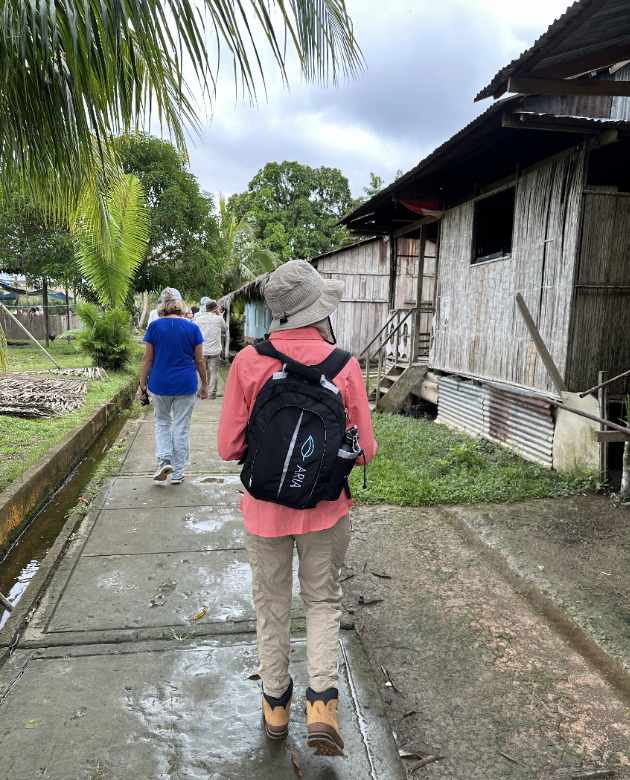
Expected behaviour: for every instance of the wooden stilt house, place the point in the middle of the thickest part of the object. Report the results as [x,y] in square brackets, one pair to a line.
[532,199]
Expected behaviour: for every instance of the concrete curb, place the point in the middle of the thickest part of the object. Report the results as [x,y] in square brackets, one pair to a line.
[26,495]
[21,615]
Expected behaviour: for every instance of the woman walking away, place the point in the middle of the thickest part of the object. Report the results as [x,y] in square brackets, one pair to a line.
[305,403]
[173,354]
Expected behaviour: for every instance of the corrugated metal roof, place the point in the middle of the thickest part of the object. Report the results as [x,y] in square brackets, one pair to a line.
[608,27]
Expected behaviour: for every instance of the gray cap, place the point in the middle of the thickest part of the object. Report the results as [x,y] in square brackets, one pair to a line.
[170,294]
[298,296]
[207,304]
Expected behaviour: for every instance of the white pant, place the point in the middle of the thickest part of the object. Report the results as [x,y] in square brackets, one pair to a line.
[172,434]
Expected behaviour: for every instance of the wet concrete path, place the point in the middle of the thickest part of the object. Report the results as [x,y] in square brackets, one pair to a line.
[113,679]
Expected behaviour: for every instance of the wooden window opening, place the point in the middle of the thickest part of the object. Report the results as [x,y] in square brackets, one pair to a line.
[493,227]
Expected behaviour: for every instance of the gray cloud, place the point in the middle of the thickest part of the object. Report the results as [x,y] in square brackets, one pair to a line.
[426,61]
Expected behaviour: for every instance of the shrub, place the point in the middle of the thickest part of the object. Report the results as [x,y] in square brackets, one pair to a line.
[105,336]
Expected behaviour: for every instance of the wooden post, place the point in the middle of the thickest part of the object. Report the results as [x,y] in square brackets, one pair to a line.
[367,372]
[6,603]
[602,395]
[67,313]
[540,345]
[227,335]
[29,334]
[625,474]
[45,308]
[378,377]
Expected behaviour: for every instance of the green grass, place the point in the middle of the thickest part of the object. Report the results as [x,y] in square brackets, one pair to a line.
[23,441]
[421,463]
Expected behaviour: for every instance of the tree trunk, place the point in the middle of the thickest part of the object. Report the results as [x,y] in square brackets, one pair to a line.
[145,306]
[625,474]
[45,308]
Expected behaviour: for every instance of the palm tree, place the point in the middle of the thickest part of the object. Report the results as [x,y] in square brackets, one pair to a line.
[73,73]
[244,257]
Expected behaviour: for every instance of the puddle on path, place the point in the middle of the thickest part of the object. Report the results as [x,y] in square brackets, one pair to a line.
[22,561]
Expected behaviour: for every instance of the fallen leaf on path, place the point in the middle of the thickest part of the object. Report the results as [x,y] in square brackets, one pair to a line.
[254,677]
[509,758]
[453,708]
[412,753]
[425,761]
[364,567]
[411,712]
[382,576]
[296,762]
[347,577]
[199,614]
[85,501]
[32,724]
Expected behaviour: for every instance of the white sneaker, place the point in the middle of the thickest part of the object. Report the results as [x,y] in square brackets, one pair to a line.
[164,469]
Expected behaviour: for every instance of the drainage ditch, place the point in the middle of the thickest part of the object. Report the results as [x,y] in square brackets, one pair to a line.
[25,556]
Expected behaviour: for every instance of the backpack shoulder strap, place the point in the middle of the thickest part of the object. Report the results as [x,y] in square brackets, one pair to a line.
[334,363]
[267,348]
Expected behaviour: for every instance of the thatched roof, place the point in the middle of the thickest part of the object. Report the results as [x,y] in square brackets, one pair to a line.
[253,289]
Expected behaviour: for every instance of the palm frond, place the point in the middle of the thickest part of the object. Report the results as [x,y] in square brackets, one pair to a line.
[112,229]
[76,70]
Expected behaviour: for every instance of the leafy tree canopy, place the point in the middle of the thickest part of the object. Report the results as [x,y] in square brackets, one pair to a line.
[31,246]
[183,247]
[295,209]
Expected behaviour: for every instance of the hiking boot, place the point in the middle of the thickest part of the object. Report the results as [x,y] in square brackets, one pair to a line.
[321,720]
[164,469]
[276,713]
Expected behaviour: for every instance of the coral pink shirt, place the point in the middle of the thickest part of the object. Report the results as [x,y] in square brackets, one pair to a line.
[248,374]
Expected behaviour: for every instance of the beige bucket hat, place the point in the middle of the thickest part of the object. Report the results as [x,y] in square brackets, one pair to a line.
[298,296]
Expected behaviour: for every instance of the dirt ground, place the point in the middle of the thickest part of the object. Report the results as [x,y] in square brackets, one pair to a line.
[479,675]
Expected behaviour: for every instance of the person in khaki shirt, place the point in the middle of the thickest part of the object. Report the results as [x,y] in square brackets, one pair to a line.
[212,325]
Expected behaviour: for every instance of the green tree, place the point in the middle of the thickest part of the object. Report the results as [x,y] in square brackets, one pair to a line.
[375,186]
[296,208]
[31,246]
[183,248]
[243,255]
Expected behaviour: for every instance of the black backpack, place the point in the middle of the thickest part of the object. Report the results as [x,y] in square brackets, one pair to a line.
[295,434]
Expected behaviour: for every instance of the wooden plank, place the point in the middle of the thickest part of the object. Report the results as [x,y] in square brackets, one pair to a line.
[611,436]
[529,85]
[522,122]
[413,226]
[540,345]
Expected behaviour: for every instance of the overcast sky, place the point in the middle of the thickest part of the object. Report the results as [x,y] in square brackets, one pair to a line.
[426,61]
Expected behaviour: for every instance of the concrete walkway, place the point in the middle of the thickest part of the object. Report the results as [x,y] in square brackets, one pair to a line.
[113,680]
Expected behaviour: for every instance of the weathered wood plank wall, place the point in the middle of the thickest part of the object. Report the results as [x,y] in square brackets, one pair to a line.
[601,323]
[363,309]
[478,328]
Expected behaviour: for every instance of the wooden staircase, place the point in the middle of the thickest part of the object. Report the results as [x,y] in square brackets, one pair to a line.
[396,384]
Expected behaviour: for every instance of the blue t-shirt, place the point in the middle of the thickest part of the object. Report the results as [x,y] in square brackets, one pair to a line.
[174,340]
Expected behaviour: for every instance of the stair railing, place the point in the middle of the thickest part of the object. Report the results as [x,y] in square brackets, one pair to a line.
[379,350]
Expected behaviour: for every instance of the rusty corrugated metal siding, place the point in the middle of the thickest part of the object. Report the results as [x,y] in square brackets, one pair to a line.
[520,422]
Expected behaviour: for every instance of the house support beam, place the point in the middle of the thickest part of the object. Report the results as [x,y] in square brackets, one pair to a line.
[528,85]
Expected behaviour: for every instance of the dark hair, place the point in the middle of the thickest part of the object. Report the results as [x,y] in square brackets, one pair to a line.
[195,309]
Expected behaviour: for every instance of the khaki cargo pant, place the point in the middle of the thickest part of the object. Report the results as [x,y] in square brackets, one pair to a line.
[213,364]
[321,555]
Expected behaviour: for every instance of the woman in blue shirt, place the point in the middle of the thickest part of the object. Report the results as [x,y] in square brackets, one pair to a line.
[173,355]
